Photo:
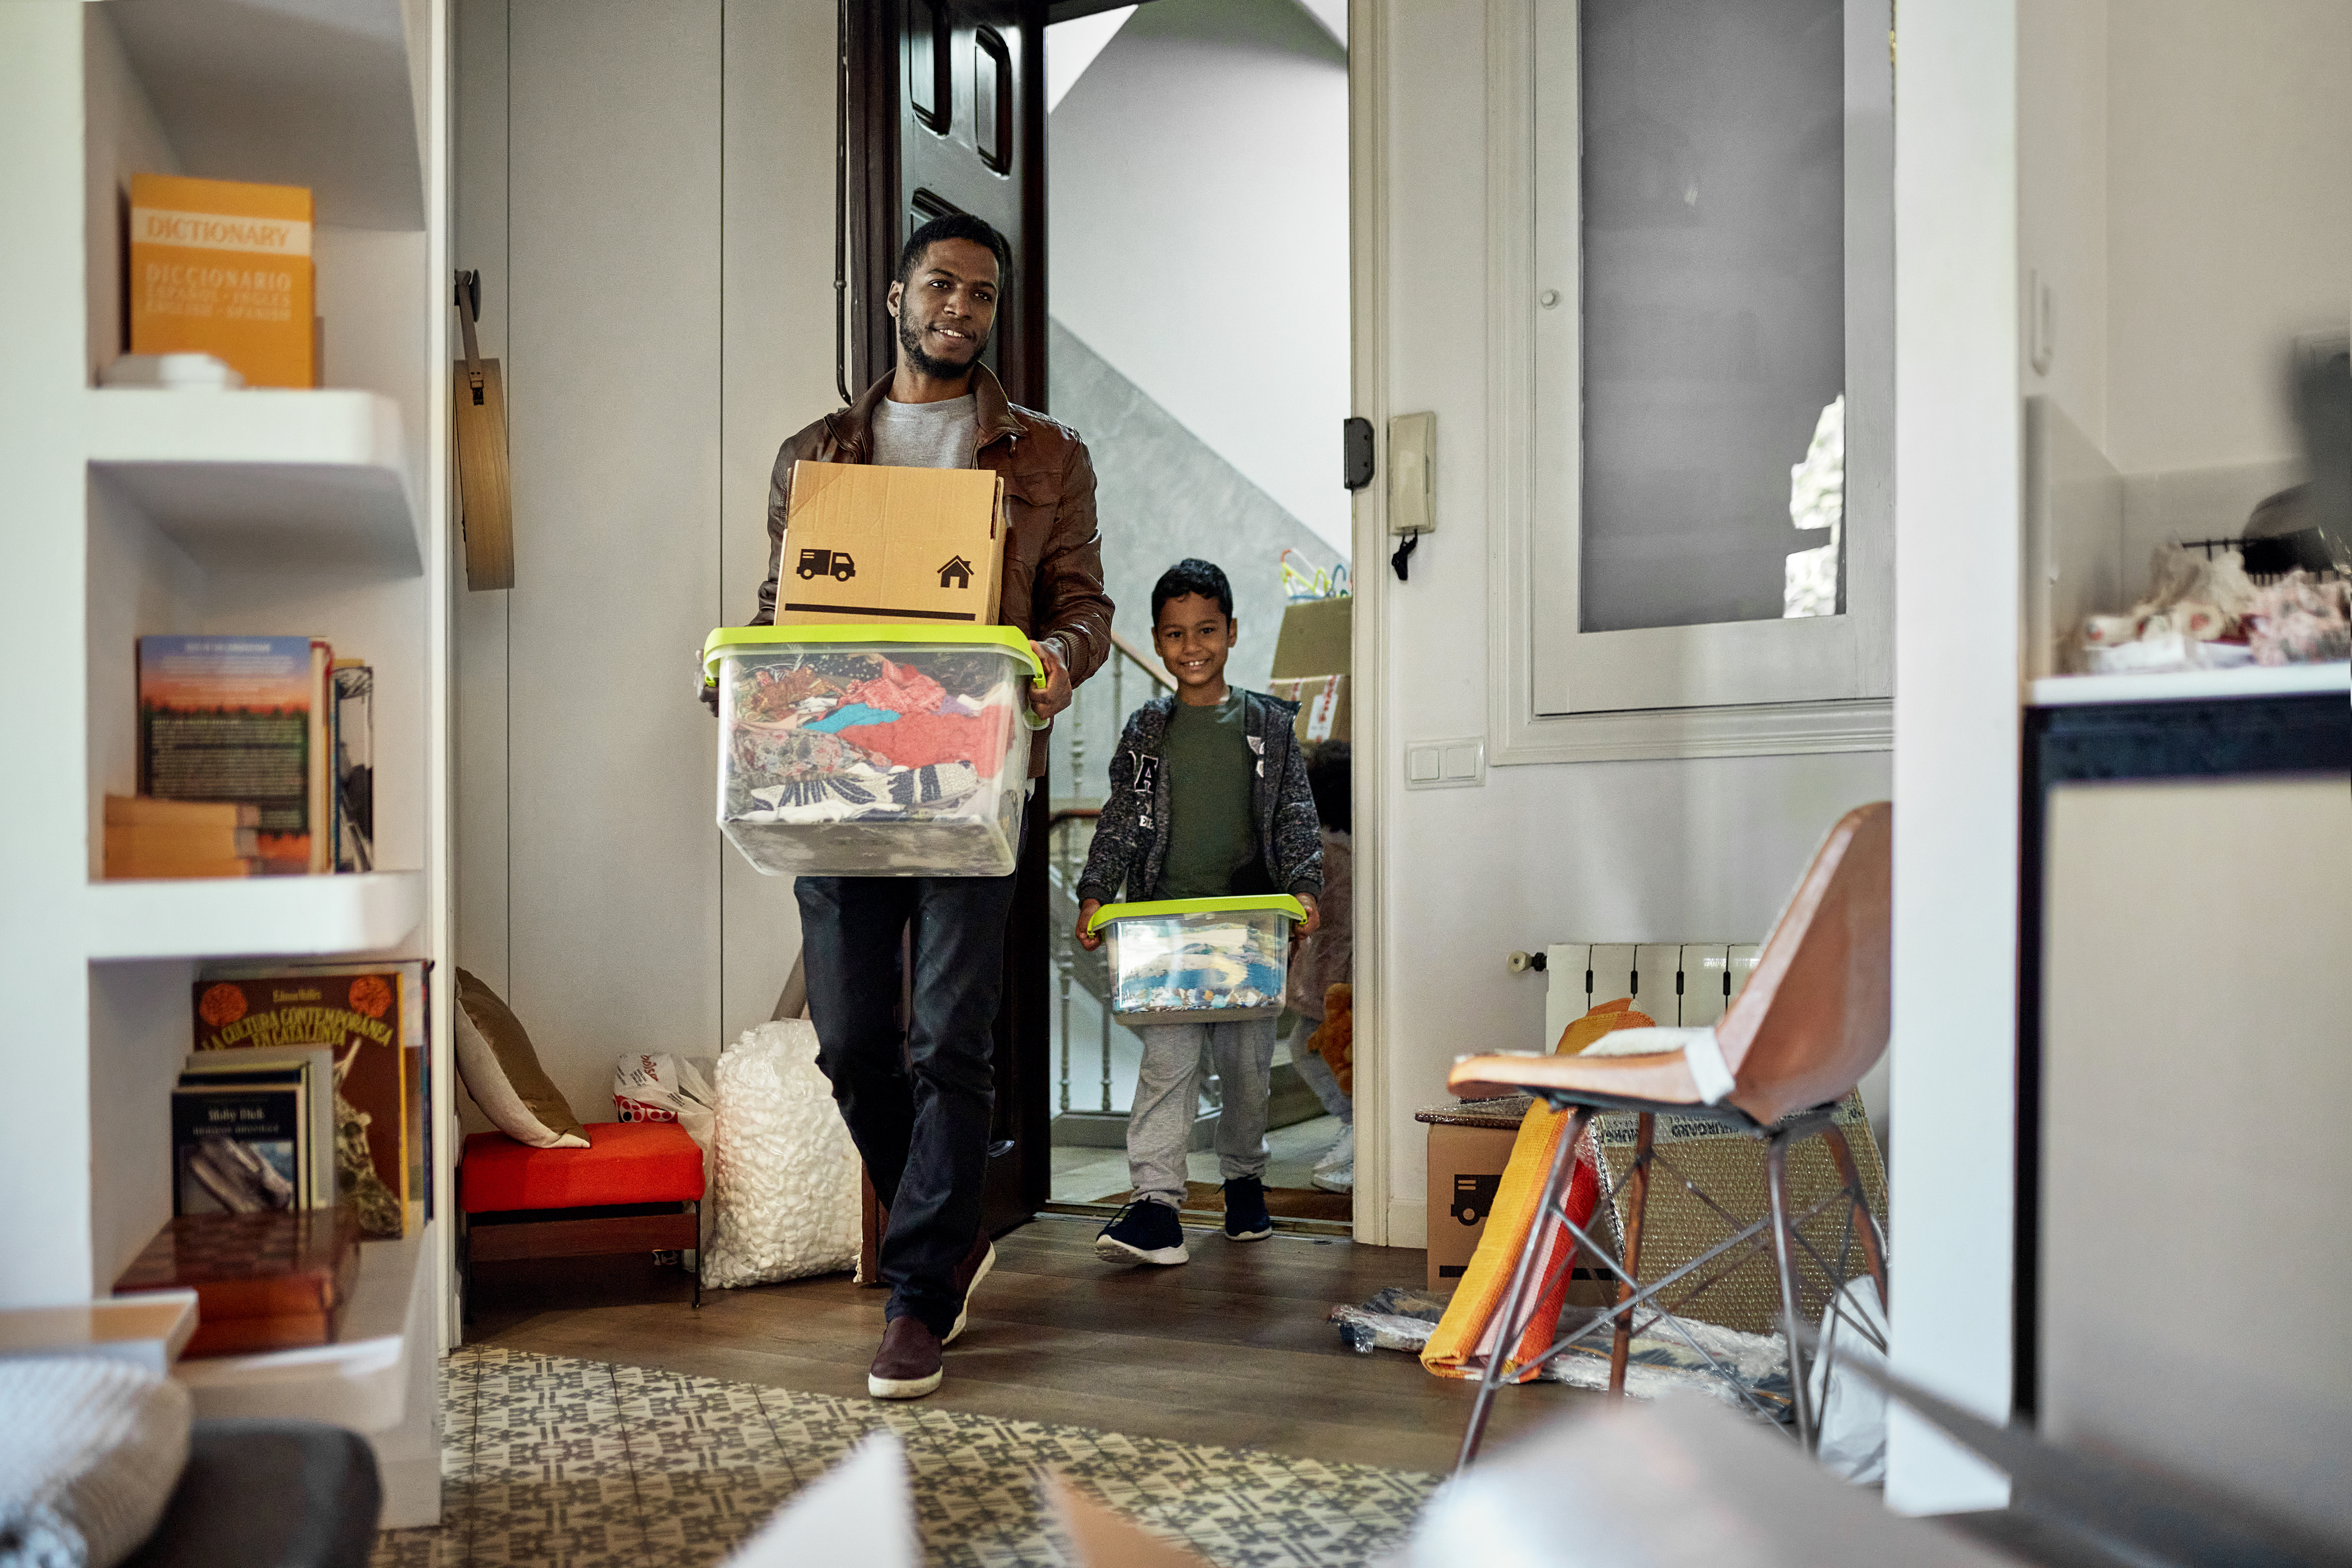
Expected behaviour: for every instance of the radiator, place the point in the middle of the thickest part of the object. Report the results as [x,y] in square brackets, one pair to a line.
[1676,984]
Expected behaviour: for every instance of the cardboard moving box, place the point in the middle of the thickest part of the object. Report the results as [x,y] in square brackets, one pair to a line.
[1311,665]
[870,543]
[1468,1148]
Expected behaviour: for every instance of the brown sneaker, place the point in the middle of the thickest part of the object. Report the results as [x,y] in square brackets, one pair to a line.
[908,1364]
[968,1276]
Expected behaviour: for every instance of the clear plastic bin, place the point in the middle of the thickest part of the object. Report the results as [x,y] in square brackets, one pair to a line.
[1199,960]
[873,751]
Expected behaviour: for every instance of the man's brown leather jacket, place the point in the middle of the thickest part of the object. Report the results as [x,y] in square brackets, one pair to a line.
[1053,557]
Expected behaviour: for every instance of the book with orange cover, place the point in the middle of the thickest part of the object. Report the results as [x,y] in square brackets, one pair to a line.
[223,268]
[373,1015]
[263,1282]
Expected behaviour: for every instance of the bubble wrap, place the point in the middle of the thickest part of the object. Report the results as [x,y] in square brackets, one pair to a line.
[787,1191]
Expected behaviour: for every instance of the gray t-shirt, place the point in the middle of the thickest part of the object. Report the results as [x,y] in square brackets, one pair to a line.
[927,435]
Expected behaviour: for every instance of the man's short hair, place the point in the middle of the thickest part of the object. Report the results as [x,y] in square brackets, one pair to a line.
[1191,575]
[954,226]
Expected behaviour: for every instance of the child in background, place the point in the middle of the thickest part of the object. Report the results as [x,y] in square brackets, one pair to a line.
[1327,960]
[1209,798]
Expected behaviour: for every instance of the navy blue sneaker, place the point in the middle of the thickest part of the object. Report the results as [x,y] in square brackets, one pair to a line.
[1143,1232]
[1245,1215]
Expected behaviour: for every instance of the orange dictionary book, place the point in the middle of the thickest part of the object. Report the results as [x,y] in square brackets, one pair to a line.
[223,268]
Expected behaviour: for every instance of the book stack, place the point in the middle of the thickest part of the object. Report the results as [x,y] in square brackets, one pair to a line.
[271,1281]
[273,726]
[254,1130]
[371,1020]
[147,838]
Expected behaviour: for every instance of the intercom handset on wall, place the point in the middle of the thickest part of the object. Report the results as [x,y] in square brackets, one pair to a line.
[1413,483]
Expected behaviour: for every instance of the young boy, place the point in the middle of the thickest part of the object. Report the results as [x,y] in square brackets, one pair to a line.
[1208,798]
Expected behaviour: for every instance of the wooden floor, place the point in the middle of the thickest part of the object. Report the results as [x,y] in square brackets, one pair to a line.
[1231,1349]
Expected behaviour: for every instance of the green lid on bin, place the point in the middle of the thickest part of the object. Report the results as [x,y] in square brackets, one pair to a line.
[1012,639]
[1282,904]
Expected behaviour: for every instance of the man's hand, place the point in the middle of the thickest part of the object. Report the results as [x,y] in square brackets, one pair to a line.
[1056,696]
[1312,923]
[1087,938]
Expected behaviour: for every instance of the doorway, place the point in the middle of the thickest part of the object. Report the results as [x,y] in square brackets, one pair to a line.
[1180,296]
[1197,336]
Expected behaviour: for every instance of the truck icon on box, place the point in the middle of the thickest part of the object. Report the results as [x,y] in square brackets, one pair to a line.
[833,564]
[1473,1196]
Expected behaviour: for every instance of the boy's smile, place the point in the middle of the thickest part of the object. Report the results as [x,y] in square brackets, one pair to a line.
[1194,636]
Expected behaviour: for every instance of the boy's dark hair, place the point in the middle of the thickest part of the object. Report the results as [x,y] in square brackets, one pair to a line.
[1192,575]
[954,226]
[1329,777]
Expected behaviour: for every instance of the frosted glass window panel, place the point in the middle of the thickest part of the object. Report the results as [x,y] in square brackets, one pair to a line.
[1713,202]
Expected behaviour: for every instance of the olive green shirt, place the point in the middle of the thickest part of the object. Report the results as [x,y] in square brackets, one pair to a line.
[1210,832]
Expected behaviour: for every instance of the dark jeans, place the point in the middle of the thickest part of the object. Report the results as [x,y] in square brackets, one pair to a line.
[917,1101]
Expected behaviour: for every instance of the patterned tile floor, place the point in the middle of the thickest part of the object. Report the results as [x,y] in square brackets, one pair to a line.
[584,1463]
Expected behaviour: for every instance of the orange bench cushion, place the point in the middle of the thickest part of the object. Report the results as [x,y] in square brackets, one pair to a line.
[625,1162]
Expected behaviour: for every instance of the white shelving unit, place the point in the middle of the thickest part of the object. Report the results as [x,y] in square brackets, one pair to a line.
[265,480]
[138,512]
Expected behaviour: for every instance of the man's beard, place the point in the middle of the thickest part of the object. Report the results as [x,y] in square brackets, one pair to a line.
[911,340]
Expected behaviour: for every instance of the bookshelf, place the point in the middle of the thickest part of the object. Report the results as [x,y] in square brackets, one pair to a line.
[138,512]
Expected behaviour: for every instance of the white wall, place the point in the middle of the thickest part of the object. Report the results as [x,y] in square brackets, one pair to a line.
[2229,219]
[1199,234]
[648,191]
[2062,198]
[1629,851]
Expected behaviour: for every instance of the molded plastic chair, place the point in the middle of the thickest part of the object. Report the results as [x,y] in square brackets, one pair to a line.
[1811,1020]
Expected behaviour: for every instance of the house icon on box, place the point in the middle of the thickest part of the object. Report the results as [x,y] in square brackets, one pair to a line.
[956,574]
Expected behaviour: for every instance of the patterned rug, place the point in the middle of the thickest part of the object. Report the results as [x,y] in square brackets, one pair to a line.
[550,1460]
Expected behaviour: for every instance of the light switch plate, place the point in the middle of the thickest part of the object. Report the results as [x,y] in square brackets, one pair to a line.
[1446,764]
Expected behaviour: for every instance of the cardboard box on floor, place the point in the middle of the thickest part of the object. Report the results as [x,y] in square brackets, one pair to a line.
[1311,666]
[1465,1169]
[869,543]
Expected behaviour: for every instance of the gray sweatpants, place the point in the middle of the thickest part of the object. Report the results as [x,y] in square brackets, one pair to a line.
[1167,1091]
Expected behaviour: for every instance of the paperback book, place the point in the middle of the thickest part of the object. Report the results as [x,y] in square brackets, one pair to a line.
[239,1143]
[354,769]
[241,719]
[236,1097]
[373,1016]
[146,837]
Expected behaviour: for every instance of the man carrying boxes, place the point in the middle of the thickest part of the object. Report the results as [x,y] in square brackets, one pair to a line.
[1001,531]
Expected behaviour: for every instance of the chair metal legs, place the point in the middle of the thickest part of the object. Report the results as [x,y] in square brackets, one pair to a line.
[1519,1304]
[1792,1317]
[1509,1324]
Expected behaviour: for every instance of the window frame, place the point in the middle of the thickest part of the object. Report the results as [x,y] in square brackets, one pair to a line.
[1752,688]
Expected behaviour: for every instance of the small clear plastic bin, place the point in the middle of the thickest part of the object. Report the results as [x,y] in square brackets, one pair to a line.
[1199,960]
[873,751]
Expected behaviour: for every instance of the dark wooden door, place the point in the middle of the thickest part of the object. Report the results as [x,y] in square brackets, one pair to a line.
[945,111]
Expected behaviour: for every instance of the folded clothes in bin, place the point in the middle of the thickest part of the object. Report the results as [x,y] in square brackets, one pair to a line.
[1217,960]
[872,750]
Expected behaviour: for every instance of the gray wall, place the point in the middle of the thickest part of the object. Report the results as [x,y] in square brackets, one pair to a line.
[1164,494]
[658,270]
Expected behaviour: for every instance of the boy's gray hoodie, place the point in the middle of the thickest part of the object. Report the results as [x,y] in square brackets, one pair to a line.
[1132,839]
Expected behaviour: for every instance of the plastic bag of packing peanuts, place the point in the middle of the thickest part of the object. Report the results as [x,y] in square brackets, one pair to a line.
[787,1188]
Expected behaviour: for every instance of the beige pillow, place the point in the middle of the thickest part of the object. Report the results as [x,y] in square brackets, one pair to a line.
[503,1075]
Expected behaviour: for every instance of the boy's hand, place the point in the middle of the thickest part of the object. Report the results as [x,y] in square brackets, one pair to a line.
[1089,940]
[1057,694]
[1312,923]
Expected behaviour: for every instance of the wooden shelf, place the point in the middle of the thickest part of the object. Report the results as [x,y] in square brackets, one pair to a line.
[233,917]
[263,477]
[361,1382]
[290,92]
